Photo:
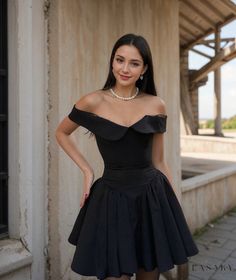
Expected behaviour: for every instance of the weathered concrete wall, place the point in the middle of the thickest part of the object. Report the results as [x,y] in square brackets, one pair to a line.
[208,144]
[21,274]
[23,254]
[81,37]
[208,196]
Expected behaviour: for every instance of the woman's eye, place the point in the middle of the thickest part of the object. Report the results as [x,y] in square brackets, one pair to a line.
[135,64]
[119,60]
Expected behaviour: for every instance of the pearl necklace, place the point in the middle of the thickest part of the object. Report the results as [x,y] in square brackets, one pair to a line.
[125,98]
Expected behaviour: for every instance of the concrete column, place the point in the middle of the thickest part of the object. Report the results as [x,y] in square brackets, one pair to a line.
[27,142]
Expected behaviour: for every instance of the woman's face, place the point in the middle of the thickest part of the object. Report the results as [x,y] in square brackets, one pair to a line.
[127,65]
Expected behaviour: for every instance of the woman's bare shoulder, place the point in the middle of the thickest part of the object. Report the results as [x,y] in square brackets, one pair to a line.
[160,104]
[156,103]
[89,100]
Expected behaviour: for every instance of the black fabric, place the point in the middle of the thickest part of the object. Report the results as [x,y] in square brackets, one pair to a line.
[132,218]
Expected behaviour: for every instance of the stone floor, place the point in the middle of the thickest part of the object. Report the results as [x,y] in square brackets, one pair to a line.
[217,245]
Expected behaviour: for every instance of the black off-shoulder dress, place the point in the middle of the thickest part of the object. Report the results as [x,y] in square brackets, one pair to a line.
[132,218]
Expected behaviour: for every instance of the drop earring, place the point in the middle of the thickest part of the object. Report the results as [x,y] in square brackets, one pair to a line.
[141,77]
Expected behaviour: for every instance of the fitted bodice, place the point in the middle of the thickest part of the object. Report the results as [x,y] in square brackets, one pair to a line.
[121,146]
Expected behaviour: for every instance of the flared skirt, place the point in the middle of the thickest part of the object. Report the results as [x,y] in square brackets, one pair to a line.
[132,219]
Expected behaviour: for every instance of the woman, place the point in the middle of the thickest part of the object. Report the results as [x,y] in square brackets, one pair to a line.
[130,220]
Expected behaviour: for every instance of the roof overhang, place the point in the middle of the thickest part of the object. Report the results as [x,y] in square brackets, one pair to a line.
[200,18]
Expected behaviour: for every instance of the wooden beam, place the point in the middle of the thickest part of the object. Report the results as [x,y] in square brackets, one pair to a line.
[208,45]
[185,34]
[187,30]
[200,14]
[183,38]
[217,89]
[221,58]
[213,9]
[230,5]
[191,22]
[230,39]
[208,32]
[201,53]
[181,42]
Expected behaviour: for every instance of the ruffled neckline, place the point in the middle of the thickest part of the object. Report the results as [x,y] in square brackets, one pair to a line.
[111,130]
[120,125]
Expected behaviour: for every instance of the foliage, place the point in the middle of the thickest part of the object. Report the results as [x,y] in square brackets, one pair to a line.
[226,123]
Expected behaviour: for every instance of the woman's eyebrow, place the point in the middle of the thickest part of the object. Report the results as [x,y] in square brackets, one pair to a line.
[130,59]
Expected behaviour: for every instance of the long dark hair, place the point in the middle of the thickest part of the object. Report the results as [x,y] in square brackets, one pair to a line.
[146,85]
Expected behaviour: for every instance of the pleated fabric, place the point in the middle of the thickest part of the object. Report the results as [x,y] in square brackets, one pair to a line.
[132,219]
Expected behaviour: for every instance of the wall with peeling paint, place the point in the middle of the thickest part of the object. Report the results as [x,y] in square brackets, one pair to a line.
[23,254]
[81,35]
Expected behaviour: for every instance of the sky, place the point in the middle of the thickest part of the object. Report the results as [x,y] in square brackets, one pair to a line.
[228,79]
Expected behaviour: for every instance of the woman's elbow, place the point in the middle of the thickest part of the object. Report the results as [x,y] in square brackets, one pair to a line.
[58,135]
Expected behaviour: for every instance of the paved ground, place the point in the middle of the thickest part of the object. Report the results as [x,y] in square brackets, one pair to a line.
[217,245]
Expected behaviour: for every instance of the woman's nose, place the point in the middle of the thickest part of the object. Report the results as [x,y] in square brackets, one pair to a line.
[125,67]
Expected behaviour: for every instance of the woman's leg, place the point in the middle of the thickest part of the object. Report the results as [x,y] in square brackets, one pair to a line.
[147,275]
[123,277]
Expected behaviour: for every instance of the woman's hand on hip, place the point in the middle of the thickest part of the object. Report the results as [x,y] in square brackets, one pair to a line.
[88,181]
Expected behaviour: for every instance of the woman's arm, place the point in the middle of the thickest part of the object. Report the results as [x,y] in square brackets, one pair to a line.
[66,140]
[67,127]
[158,157]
